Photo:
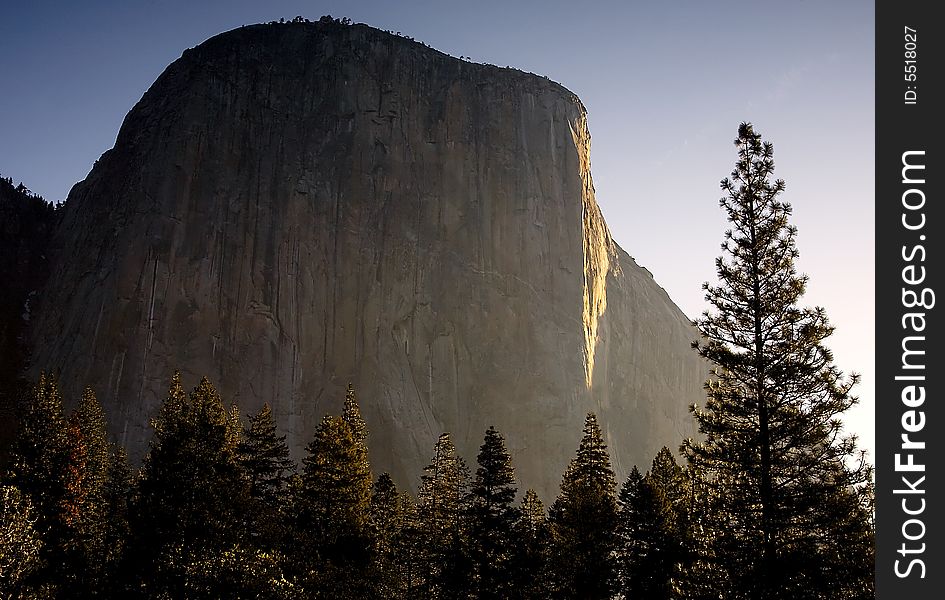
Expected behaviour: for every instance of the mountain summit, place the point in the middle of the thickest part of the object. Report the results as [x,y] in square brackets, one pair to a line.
[292,207]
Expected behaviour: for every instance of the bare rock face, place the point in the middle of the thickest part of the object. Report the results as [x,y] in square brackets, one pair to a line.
[293,207]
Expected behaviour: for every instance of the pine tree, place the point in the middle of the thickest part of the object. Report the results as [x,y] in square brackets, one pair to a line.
[649,545]
[668,476]
[528,571]
[333,512]
[39,471]
[410,548]
[492,518]
[443,529]
[669,479]
[264,457]
[387,521]
[116,498]
[192,493]
[773,449]
[40,451]
[64,465]
[83,506]
[703,578]
[583,521]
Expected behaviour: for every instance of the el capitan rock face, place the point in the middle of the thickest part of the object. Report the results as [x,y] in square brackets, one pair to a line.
[293,207]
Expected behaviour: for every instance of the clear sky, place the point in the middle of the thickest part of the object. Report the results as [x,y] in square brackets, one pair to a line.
[665,84]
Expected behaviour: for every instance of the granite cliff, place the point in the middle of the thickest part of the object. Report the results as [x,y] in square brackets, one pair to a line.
[293,207]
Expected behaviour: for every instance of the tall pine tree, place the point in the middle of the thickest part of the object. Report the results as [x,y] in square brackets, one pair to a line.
[191,497]
[671,480]
[388,519]
[410,547]
[116,499]
[649,543]
[528,572]
[667,475]
[444,537]
[40,470]
[492,518]
[333,513]
[264,457]
[583,521]
[703,577]
[84,510]
[773,449]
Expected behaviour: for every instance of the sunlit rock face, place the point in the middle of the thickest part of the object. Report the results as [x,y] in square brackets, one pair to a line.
[293,207]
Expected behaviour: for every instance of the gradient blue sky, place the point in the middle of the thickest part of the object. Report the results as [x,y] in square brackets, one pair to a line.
[665,84]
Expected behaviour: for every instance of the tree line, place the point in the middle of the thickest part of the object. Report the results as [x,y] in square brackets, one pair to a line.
[218,510]
[772,501]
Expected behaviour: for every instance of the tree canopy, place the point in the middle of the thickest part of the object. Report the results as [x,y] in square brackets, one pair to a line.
[773,455]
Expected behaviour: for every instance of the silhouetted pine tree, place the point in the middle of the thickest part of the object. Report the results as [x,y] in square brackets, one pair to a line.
[192,496]
[528,574]
[83,507]
[772,449]
[411,550]
[444,537]
[333,513]
[649,545]
[264,456]
[669,478]
[703,577]
[584,520]
[39,471]
[387,521]
[492,518]
[65,465]
[116,498]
